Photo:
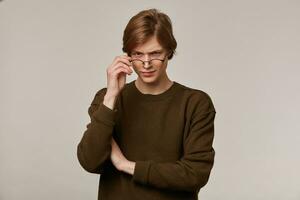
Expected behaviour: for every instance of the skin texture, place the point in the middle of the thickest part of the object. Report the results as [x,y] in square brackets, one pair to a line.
[156,84]
[159,82]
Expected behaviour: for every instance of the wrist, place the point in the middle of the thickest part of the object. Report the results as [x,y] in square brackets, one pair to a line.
[109,101]
[127,167]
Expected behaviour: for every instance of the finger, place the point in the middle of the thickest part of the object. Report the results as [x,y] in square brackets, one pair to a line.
[123,66]
[118,65]
[124,58]
[117,71]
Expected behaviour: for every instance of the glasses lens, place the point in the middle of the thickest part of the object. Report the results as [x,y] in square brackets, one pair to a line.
[156,62]
[137,63]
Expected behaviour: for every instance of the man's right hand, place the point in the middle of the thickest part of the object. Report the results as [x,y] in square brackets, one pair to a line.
[116,78]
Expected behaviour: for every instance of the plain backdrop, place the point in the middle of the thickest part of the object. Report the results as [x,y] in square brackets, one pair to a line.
[244,54]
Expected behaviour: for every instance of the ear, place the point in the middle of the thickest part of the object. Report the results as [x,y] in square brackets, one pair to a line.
[169,54]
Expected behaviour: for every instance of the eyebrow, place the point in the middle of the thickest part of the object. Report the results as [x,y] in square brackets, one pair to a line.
[158,50]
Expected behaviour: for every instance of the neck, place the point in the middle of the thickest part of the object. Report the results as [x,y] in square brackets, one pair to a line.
[153,88]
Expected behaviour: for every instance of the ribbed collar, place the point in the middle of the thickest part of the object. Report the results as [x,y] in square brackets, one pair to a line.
[153,97]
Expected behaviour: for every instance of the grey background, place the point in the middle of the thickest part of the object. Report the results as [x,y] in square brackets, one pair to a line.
[244,54]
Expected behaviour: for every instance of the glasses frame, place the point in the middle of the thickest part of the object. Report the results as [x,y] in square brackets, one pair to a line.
[144,61]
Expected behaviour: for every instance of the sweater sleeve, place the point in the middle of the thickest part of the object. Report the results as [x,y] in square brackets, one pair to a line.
[192,171]
[94,149]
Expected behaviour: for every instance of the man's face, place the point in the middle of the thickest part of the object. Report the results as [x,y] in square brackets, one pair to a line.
[148,51]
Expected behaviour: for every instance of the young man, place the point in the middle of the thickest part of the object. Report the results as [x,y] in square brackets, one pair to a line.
[150,138]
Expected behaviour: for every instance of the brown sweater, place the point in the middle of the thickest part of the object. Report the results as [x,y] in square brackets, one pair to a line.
[169,136]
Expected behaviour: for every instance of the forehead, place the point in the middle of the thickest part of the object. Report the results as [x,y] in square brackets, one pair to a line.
[149,46]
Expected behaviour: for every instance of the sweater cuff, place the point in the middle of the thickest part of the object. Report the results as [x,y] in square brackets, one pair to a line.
[141,171]
[105,114]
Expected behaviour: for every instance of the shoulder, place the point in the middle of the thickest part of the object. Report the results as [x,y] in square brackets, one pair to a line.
[101,92]
[197,100]
[99,95]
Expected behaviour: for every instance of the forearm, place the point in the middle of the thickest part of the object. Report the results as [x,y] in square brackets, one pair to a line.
[95,146]
[127,167]
[192,171]
[182,175]
[109,101]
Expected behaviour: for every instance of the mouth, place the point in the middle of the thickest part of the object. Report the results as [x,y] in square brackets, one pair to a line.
[148,73]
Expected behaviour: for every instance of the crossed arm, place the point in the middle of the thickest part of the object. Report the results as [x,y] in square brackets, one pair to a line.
[190,173]
[119,160]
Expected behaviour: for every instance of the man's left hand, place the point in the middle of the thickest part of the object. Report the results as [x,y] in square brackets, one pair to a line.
[119,160]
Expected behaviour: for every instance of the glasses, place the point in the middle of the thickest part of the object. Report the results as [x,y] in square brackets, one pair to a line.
[140,63]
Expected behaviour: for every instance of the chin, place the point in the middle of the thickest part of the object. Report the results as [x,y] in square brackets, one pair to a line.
[149,80]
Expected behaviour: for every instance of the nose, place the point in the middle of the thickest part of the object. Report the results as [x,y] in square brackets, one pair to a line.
[146,62]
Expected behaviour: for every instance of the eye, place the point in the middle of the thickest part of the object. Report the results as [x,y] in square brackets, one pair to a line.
[136,54]
[156,53]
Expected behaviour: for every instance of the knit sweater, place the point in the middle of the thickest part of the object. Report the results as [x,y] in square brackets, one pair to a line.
[168,135]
